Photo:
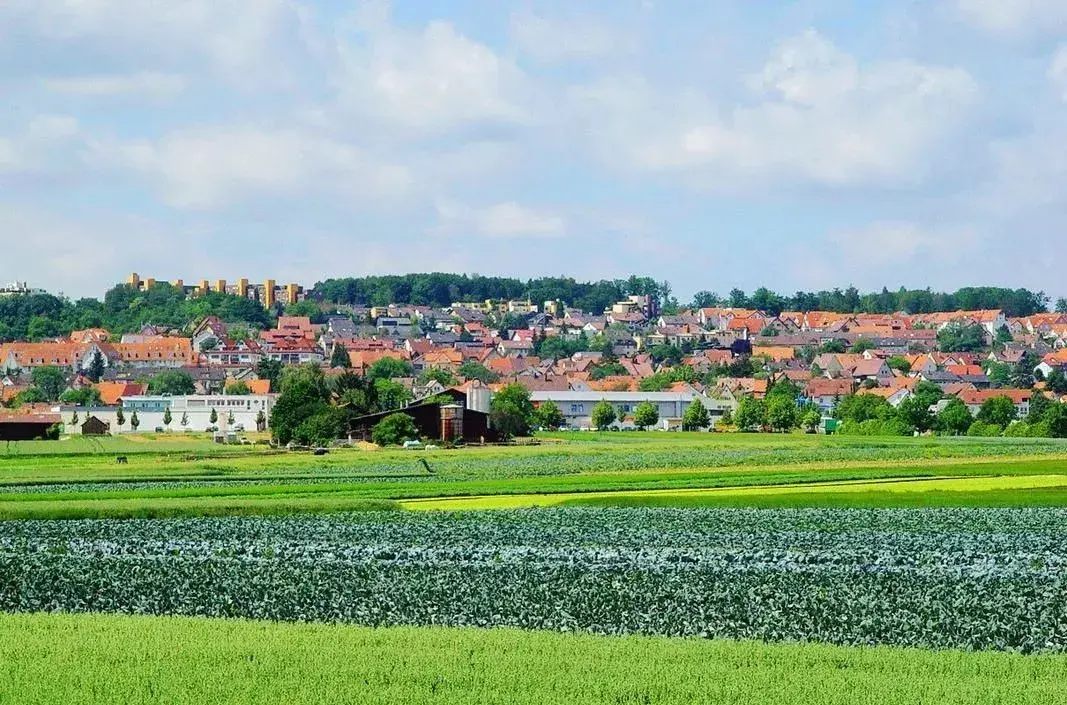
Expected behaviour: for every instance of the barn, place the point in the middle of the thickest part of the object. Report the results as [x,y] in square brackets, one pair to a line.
[436,419]
[95,427]
[27,427]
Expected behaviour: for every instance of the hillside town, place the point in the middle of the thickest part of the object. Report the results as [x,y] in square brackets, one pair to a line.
[225,377]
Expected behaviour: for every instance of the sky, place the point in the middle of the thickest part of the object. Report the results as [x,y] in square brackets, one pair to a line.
[715,144]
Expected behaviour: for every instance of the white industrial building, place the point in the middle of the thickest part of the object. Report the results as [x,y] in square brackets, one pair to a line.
[577,407]
[196,410]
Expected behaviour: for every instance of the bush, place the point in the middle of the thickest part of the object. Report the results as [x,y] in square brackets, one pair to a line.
[980,429]
[394,429]
[876,427]
[1018,429]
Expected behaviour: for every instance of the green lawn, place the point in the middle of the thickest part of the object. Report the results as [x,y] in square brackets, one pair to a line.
[47,659]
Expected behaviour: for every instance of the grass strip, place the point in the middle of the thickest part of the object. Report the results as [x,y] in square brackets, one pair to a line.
[75,659]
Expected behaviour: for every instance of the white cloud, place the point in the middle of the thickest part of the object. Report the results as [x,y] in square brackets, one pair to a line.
[43,144]
[1057,72]
[1015,17]
[818,116]
[562,39]
[245,41]
[209,168]
[889,243]
[434,81]
[158,85]
[503,220]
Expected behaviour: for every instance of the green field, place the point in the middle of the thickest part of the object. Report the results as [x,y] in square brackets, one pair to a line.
[46,659]
[881,542]
[171,476]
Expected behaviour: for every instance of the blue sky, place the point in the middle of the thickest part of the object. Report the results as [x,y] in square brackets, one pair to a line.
[797,145]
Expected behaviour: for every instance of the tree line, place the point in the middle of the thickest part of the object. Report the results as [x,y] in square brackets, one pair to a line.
[123,309]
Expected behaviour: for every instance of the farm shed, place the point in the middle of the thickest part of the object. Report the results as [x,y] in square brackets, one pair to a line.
[428,417]
[26,427]
[95,427]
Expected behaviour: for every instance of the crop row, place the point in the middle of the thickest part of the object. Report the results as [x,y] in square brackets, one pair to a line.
[973,579]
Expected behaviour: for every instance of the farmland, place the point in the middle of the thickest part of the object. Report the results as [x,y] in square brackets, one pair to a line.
[761,557]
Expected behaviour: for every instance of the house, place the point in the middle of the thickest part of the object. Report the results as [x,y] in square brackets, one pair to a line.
[111,393]
[892,395]
[1020,397]
[825,393]
[872,370]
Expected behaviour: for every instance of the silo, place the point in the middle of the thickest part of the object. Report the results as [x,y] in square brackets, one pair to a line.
[451,423]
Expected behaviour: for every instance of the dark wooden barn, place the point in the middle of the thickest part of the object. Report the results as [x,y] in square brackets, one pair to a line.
[27,427]
[436,420]
[95,427]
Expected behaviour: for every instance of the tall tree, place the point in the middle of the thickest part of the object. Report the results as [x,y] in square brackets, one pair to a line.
[511,412]
[339,358]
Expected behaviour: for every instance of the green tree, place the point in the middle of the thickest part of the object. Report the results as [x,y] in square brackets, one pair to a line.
[511,412]
[394,429]
[548,416]
[811,420]
[389,368]
[391,394]
[74,419]
[261,421]
[167,418]
[436,374]
[646,414]
[696,417]
[319,429]
[916,413]
[928,393]
[751,414]
[185,419]
[339,358]
[120,418]
[1056,382]
[173,383]
[86,396]
[50,381]
[862,345]
[1039,404]
[96,366]
[603,416]
[272,370]
[213,418]
[955,418]
[863,407]
[899,363]
[238,388]
[1055,420]
[134,421]
[957,337]
[999,411]
[230,420]
[1004,335]
[781,413]
[474,370]
[304,394]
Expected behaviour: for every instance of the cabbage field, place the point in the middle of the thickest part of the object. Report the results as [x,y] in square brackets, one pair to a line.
[975,579]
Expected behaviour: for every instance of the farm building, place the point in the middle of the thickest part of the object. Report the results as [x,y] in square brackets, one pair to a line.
[436,419]
[93,426]
[27,427]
